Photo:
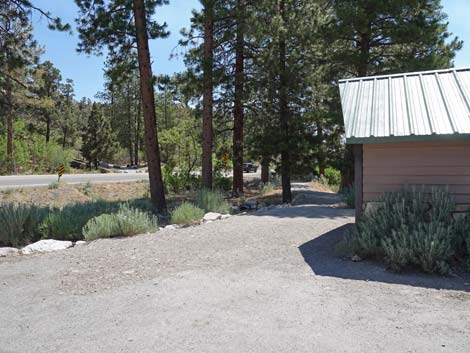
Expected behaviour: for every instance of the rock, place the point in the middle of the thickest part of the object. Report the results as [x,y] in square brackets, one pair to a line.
[356,258]
[212,216]
[4,252]
[80,243]
[46,245]
[225,216]
[170,226]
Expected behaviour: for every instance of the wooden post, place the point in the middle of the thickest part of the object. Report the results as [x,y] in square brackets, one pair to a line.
[358,168]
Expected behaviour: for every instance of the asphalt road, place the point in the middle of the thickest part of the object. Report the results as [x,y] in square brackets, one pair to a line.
[19,181]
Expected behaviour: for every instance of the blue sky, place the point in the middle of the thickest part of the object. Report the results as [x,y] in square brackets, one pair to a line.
[87,72]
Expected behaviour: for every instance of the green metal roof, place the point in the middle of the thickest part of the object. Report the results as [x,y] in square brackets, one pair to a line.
[416,106]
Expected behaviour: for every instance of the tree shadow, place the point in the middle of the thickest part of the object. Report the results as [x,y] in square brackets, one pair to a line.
[319,254]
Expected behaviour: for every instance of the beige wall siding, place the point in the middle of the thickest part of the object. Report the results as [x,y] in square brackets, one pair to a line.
[389,166]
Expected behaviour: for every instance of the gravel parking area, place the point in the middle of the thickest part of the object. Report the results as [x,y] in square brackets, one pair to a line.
[264,282]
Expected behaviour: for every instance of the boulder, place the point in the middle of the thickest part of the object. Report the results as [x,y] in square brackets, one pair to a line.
[225,216]
[212,216]
[170,226]
[80,243]
[46,245]
[4,252]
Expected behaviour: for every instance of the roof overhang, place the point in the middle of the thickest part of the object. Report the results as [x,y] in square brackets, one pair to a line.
[410,138]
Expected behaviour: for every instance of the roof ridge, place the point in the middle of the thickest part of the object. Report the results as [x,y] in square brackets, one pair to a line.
[413,73]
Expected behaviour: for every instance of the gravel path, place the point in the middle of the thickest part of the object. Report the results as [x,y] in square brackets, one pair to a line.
[265,282]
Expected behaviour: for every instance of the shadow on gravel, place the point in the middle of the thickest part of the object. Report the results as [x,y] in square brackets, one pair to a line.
[306,211]
[319,254]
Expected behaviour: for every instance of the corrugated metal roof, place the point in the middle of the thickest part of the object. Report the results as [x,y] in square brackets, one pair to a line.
[416,106]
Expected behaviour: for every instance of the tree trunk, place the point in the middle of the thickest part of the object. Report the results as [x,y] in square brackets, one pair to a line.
[284,114]
[48,127]
[152,148]
[64,139]
[129,126]
[137,133]
[265,170]
[207,129]
[238,113]
[11,163]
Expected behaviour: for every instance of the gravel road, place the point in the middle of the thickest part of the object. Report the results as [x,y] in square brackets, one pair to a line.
[265,282]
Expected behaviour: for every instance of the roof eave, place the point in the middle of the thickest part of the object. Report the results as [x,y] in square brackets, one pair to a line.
[411,138]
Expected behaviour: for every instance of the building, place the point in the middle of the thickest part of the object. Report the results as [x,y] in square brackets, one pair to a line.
[409,129]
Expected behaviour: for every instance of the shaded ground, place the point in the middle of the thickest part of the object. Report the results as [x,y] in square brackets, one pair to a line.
[265,282]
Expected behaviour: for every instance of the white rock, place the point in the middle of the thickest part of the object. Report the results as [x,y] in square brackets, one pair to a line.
[212,216]
[171,226]
[225,216]
[46,245]
[80,242]
[4,252]
[356,258]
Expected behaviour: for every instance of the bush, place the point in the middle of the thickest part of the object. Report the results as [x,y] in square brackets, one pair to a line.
[211,201]
[126,222]
[67,223]
[187,213]
[333,176]
[407,228]
[223,183]
[267,188]
[19,224]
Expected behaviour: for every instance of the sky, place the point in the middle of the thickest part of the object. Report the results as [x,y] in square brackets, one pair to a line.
[87,71]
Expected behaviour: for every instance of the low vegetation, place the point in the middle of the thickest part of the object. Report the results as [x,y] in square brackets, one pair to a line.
[186,214]
[212,201]
[127,221]
[411,229]
[21,224]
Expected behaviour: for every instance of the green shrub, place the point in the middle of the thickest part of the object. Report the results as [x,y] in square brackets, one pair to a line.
[333,176]
[223,183]
[67,223]
[19,224]
[104,226]
[53,185]
[267,188]
[187,213]
[211,201]
[126,222]
[408,228]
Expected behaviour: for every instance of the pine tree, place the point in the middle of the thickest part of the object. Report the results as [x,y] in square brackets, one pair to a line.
[120,25]
[373,37]
[97,138]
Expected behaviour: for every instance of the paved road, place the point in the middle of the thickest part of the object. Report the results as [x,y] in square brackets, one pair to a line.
[264,282]
[17,181]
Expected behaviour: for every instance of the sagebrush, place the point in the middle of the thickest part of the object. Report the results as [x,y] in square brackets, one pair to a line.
[186,214]
[212,201]
[411,228]
[126,222]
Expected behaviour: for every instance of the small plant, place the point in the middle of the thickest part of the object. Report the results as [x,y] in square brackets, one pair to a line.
[87,188]
[211,201]
[266,189]
[126,222]
[19,224]
[187,213]
[8,191]
[54,185]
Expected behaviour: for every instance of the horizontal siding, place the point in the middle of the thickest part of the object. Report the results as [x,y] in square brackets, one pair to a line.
[389,167]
